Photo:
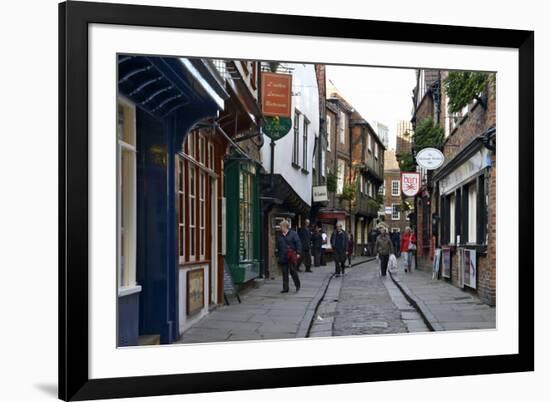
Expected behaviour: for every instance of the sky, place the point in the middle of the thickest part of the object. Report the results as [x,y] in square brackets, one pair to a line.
[378,94]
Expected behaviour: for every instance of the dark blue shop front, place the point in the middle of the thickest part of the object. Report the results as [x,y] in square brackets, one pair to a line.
[160,101]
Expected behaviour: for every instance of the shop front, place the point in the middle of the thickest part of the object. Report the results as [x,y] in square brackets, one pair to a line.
[160,100]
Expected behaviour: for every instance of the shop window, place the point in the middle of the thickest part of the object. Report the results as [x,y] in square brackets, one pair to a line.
[296,141]
[180,186]
[472,213]
[376,150]
[452,212]
[369,142]
[192,212]
[246,213]
[202,213]
[126,189]
[395,188]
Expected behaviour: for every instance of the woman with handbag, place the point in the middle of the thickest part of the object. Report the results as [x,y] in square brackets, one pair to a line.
[288,250]
[408,245]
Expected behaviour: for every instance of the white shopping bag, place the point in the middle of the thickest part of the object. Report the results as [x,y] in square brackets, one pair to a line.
[392,263]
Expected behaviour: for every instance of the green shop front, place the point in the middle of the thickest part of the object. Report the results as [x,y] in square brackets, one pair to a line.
[242,219]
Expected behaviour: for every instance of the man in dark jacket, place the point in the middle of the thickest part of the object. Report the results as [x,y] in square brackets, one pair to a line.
[286,240]
[316,244]
[373,235]
[383,247]
[305,238]
[339,242]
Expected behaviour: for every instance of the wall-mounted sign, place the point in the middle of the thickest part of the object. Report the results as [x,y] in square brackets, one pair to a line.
[320,194]
[195,291]
[276,127]
[276,94]
[388,210]
[410,183]
[430,158]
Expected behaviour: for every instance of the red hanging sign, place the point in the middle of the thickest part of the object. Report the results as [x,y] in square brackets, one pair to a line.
[276,94]
[410,183]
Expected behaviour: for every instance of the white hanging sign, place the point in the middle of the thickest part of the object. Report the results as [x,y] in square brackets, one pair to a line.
[410,183]
[430,158]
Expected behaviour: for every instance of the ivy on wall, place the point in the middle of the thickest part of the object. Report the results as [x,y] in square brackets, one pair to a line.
[428,135]
[462,87]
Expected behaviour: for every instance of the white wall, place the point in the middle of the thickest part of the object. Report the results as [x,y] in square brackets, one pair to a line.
[305,98]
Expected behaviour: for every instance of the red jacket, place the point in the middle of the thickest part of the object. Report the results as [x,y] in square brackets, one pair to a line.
[405,239]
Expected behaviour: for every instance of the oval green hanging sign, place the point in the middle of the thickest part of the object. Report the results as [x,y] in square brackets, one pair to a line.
[276,127]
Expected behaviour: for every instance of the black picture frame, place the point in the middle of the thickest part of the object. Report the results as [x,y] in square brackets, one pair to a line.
[74,18]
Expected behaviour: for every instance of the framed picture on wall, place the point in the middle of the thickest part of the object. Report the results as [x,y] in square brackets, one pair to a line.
[171,169]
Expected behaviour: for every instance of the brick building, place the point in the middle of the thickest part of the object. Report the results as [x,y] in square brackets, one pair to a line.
[456,209]
[396,208]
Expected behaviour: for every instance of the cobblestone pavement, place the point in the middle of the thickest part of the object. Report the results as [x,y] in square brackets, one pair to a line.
[365,305]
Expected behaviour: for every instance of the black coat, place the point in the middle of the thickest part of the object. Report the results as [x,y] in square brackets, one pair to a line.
[339,242]
[283,242]
[316,241]
[305,238]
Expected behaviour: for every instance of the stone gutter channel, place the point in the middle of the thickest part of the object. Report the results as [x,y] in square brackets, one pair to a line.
[320,315]
[319,318]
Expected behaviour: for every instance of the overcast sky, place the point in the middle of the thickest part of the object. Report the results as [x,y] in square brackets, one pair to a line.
[378,94]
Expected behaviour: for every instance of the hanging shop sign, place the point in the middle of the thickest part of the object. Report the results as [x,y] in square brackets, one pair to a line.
[410,183]
[276,127]
[430,158]
[276,94]
[320,193]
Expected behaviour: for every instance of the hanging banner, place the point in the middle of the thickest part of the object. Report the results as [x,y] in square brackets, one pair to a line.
[410,183]
[276,94]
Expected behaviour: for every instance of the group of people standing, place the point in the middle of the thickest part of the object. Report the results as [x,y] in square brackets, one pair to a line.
[294,248]
[385,245]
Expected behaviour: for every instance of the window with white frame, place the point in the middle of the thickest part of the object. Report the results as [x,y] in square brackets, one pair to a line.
[382,190]
[340,176]
[342,127]
[127,221]
[323,163]
[304,143]
[369,142]
[329,131]
[296,142]
[362,184]
[452,230]
[395,212]
[202,214]
[395,188]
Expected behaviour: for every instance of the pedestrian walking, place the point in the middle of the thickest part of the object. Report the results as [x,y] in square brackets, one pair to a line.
[396,241]
[350,248]
[288,250]
[408,245]
[305,238]
[373,235]
[316,244]
[339,242]
[383,247]
[324,247]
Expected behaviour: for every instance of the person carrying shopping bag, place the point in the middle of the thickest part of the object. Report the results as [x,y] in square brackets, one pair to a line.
[288,252]
[408,245]
[383,248]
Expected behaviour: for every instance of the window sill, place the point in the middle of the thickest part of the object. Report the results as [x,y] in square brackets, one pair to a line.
[305,171]
[295,165]
[128,290]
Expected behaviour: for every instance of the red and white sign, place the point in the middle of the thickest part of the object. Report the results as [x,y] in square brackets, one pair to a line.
[276,94]
[410,183]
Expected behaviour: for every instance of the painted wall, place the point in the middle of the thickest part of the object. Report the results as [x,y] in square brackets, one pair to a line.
[305,98]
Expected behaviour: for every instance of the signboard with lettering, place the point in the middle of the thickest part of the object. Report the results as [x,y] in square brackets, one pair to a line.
[195,291]
[430,158]
[320,193]
[276,127]
[410,183]
[276,94]
[446,262]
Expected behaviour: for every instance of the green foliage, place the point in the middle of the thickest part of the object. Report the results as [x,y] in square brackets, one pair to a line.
[374,204]
[427,134]
[348,191]
[332,180]
[462,87]
[406,162]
